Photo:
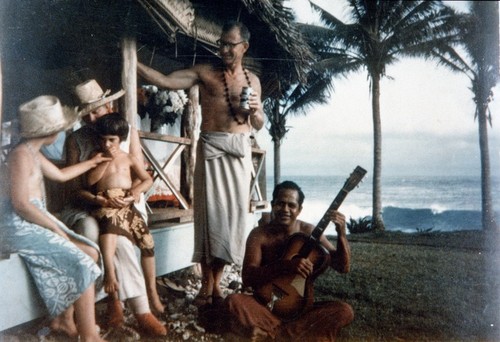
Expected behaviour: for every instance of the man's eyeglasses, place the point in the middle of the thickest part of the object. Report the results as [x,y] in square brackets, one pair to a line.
[228,45]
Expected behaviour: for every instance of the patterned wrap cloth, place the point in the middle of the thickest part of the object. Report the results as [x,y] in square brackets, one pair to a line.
[126,221]
[60,270]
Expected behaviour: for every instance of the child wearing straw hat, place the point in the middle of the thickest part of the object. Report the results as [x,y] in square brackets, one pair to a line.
[62,263]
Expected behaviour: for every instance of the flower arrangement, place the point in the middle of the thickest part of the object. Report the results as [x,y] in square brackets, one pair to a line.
[162,106]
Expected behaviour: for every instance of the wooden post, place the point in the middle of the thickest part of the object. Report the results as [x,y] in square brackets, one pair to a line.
[129,79]
[191,124]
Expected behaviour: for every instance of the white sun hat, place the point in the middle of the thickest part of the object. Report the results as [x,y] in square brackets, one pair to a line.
[91,96]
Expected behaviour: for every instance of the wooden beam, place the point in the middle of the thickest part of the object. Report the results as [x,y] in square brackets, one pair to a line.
[164,138]
[191,125]
[160,215]
[129,79]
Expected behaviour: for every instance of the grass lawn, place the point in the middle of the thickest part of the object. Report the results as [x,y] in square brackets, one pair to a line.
[419,287]
[403,287]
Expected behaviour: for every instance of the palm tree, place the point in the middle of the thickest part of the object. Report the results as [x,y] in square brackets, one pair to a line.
[294,101]
[379,33]
[480,39]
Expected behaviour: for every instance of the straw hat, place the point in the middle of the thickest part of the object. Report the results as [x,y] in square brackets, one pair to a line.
[44,115]
[91,96]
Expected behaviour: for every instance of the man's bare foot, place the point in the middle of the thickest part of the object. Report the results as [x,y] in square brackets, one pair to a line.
[217,292]
[64,325]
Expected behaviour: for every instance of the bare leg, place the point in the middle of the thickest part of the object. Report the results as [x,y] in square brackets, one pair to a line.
[65,323]
[149,268]
[107,243]
[217,273]
[111,286]
[85,316]
[210,281]
[207,280]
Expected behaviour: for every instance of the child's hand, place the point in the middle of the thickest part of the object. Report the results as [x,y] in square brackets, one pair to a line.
[118,202]
[112,151]
[135,196]
[130,199]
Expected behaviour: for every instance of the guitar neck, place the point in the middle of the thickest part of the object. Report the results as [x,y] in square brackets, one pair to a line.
[353,180]
[325,220]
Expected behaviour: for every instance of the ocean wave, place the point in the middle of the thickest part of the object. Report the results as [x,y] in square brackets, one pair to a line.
[436,218]
[314,210]
[438,208]
[414,220]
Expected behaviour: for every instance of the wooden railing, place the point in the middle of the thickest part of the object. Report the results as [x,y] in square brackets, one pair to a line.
[184,210]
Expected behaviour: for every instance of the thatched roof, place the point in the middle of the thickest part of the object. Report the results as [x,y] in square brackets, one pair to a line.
[49,46]
[278,51]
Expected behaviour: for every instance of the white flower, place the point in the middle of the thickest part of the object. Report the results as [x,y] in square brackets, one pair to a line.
[150,88]
[166,105]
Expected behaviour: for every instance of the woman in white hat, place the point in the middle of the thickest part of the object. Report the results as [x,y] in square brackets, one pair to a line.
[95,103]
[62,263]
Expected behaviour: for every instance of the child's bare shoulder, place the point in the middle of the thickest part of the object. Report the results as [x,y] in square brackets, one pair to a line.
[123,157]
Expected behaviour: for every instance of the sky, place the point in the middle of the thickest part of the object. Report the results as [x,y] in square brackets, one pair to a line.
[427,116]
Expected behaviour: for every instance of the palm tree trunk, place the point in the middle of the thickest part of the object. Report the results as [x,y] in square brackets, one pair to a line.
[488,215]
[377,221]
[277,161]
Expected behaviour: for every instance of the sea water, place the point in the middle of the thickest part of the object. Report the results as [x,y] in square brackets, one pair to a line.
[410,204]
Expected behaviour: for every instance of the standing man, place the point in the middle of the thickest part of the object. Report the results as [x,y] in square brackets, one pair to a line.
[224,163]
[265,247]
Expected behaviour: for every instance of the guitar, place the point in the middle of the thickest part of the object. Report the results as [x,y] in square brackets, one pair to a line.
[287,296]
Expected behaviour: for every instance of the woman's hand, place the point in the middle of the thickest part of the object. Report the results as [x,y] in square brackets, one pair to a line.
[99,158]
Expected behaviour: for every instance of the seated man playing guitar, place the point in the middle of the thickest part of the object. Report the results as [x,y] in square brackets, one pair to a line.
[282,306]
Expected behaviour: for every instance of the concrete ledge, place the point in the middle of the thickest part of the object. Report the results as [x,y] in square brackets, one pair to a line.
[19,298]
[174,246]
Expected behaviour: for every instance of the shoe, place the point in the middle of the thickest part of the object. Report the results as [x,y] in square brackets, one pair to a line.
[115,313]
[150,325]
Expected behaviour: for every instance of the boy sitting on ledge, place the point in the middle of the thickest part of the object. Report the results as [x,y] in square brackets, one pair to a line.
[115,194]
